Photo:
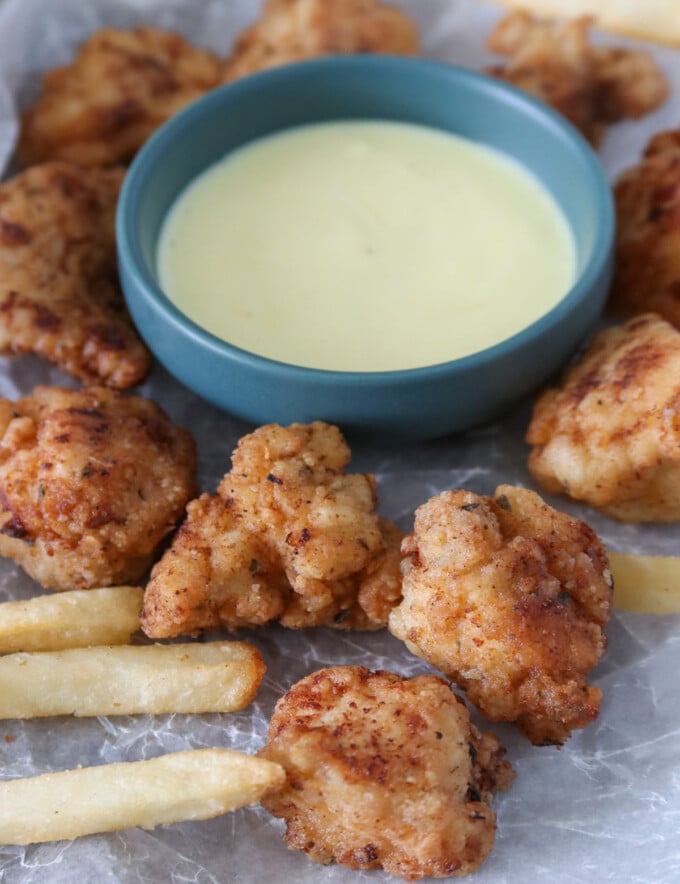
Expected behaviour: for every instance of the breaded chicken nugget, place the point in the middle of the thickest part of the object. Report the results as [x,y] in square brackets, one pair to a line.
[90,483]
[295,30]
[592,86]
[384,772]
[59,292]
[610,434]
[508,598]
[647,265]
[289,536]
[122,85]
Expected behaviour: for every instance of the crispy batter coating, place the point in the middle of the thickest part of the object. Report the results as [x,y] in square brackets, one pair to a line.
[509,598]
[90,483]
[647,265]
[59,292]
[121,86]
[295,30]
[610,434]
[384,772]
[592,86]
[289,536]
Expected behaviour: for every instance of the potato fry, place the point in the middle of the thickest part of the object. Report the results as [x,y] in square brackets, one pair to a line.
[126,680]
[193,785]
[655,20]
[73,619]
[646,584]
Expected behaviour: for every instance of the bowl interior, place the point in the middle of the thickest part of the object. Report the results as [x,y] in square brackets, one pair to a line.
[415,91]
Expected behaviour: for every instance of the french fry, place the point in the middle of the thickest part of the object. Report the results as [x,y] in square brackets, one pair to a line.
[646,584]
[74,619]
[194,785]
[655,20]
[126,680]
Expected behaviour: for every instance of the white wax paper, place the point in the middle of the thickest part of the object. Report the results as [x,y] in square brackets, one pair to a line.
[606,807]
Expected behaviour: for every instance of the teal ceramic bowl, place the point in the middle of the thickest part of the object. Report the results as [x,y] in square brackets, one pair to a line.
[415,403]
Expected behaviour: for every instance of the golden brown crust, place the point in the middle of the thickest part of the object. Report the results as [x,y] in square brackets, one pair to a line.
[380,590]
[214,573]
[121,86]
[384,772]
[289,536]
[90,483]
[509,598]
[295,30]
[592,86]
[59,292]
[610,434]
[647,264]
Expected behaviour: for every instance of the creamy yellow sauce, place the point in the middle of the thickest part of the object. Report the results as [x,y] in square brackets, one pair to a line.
[365,246]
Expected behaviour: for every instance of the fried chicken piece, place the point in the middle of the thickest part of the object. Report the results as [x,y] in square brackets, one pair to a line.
[90,483]
[647,264]
[295,30]
[384,772]
[508,598]
[59,292]
[380,590]
[592,86]
[610,434]
[289,536]
[122,85]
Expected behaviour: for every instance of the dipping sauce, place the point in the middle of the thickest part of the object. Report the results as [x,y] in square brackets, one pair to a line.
[365,246]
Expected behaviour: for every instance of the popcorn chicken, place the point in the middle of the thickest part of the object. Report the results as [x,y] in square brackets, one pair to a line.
[592,86]
[289,536]
[59,292]
[655,20]
[90,483]
[508,598]
[384,772]
[610,434]
[295,30]
[121,86]
[647,265]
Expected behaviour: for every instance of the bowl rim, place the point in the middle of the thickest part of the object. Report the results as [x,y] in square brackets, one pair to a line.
[152,152]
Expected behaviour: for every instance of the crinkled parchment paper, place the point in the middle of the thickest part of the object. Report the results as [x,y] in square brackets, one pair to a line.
[604,808]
